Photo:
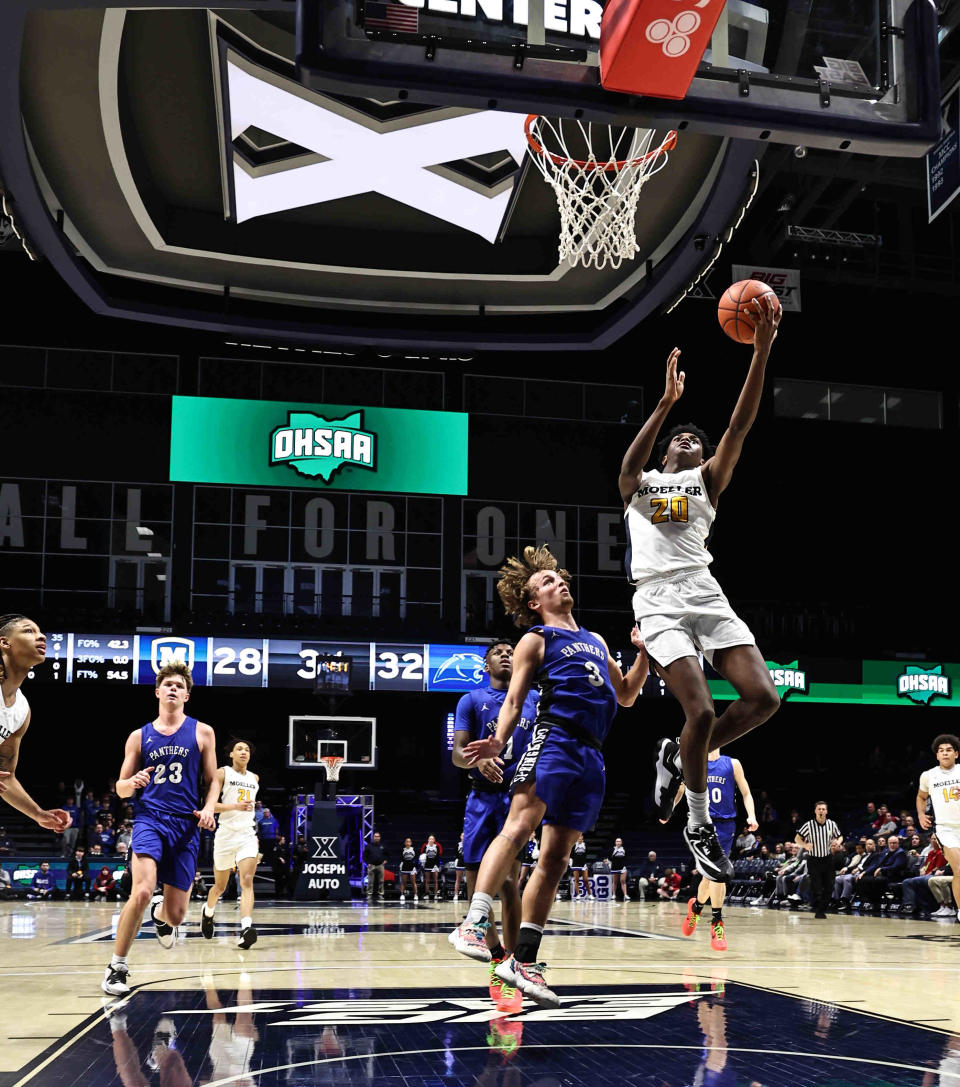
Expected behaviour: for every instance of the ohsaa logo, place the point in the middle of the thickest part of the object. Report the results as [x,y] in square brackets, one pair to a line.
[317,447]
[788,678]
[923,686]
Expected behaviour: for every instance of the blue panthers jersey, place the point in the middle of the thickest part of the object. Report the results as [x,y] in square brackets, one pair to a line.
[477,714]
[721,788]
[574,679]
[174,787]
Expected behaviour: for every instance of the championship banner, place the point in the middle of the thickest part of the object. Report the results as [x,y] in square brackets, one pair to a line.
[943,159]
[324,874]
[784,281]
[650,47]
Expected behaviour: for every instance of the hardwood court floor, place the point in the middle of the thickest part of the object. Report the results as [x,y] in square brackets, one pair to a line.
[375,995]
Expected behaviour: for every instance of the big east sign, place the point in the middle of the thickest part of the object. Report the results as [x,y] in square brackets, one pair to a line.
[653,47]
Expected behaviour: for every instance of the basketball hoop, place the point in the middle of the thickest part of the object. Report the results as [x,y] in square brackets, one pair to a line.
[597,194]
[332,765]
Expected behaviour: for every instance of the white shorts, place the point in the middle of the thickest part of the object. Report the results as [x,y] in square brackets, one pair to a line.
[948,836]
[230,849]
[686,613]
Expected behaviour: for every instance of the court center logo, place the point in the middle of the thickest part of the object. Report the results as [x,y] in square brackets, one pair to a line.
[788,678]
[317,447]
[165,651]
[923,685]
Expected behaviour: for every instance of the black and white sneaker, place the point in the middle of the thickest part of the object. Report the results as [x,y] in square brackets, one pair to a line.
[247,938]
[669,776]
[115,980]
[711,860]
[166,934]
[206,924]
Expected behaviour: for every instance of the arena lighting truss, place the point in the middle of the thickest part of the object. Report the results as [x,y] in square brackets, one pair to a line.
[842,239]
[723,239]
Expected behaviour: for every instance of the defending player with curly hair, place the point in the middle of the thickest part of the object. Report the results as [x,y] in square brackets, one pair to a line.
[514,584]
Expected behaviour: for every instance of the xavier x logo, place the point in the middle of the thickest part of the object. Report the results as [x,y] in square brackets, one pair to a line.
[325,848]
[402,159]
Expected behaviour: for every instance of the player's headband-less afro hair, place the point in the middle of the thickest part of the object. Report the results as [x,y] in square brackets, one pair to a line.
[514,588]
[706,445]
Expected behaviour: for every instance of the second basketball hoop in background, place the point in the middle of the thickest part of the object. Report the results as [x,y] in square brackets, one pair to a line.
[596,172]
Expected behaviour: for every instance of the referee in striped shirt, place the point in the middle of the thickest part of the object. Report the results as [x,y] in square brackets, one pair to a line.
[816,836]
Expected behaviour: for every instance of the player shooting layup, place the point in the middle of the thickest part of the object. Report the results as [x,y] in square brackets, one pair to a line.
[165,759]
[679,607]
[942,785]
[560,779]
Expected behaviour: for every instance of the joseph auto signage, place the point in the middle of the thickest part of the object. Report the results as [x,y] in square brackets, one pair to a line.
[323,446]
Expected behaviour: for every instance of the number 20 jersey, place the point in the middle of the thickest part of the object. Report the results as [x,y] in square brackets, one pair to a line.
[174,786]
[574,678]
[668,521]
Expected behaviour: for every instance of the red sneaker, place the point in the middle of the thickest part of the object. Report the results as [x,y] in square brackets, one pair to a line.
[717,940]
[689,926]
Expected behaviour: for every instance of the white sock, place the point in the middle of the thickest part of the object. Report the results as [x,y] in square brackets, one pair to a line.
[530,925]
[698,807]
[118,960]
[207,911]
[245,922]
[481,906]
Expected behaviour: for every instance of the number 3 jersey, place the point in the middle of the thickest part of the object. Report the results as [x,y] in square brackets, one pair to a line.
[174,786]
[477,714]
[668,521]
[575,688]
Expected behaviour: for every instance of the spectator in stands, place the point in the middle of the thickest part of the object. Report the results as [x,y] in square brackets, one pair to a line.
[787,877]
[844,885]
[916,893]
[122,852]
[6,887]
[267,831]
[44,883]
[69,840]
[199,890]
[886,822]
[94,832]
[78,880]
[281,866]
[258,813]
[745,842]
[301,851]
[670,885]
[941,887]
[869,817]
[765,854]
[908,827]
[651,876]
[6,846]
[375,859]
[96,850]
[107,838]
[780,852]
[104,886]
[125,834]
[892,868]
[794,824]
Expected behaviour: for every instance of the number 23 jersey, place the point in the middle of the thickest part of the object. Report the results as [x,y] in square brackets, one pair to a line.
[574,679]
[174,786]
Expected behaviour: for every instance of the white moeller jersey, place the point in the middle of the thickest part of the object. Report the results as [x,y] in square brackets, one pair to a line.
[668,521]
[943,787]
[238,788]
[12,717]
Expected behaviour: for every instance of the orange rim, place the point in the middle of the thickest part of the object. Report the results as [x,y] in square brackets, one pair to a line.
[669,143]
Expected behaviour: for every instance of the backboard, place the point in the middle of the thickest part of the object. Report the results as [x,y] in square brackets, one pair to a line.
[853,75]
[312,737]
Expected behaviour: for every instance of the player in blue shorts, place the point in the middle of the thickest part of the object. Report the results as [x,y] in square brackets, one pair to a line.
[166,760]
[723,773]
[489,801]
[560,779]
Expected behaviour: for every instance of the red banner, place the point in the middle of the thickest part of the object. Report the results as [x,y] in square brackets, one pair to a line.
[653,47]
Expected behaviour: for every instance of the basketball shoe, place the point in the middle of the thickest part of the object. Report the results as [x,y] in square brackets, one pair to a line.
[717,939]
[510,999]
[115,980]
[669,776]
[470,939]
[702,842]
[496,982]
[690,922]
[528,978]
[247,938]
[166,934]
[206,923]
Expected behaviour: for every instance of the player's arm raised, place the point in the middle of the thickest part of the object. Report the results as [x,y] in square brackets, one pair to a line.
[718,470]
[208,749]
[741,779]
[16,795]
[527,658]
[132,776]
[628,686]
[642,445]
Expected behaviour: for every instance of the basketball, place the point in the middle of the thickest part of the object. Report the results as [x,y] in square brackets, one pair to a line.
[735,312]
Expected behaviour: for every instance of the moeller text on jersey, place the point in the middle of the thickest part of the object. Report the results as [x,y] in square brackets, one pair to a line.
[674,488]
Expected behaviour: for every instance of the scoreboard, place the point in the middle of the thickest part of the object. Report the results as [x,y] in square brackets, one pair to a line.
[305,663]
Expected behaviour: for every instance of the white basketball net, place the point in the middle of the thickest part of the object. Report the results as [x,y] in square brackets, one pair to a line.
[331,765]
[597,193]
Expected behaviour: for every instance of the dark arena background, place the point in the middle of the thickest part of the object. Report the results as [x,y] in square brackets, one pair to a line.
[186,291]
